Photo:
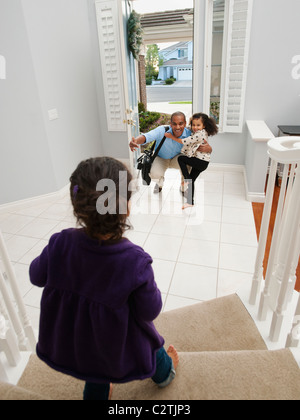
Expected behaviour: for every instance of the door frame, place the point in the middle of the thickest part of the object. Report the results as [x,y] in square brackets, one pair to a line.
[131,115]
[201,56]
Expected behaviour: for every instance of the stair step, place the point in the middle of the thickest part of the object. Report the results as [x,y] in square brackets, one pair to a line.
[15,372]
[222,356]
[237,375]
[240,375]
[222,324]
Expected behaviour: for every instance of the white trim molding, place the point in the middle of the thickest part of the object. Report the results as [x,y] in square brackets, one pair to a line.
[28,202]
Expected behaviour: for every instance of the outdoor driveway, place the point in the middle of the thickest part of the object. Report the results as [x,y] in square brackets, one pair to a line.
[180,91]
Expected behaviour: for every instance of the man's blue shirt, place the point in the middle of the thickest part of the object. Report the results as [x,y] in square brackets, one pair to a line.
[170,148]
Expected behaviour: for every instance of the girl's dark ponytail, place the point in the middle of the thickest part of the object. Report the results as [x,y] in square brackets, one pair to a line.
[208,122]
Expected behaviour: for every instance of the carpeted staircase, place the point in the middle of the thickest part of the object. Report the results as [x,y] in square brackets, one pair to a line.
[222,357]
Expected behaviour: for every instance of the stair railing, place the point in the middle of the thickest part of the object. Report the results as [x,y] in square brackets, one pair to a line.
[278,288]
[15,325]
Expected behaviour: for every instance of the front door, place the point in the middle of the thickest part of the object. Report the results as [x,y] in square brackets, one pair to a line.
[130,81]
[119,75]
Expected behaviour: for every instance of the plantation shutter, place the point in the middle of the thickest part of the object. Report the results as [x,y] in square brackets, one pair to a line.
[111,63]
[239,25]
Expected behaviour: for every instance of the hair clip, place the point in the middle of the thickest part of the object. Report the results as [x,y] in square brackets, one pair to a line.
[75,190]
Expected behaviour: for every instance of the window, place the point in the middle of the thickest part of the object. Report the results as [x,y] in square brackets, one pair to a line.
[226,60]
[182,53]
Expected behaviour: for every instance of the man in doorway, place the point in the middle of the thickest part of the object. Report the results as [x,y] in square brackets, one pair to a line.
[168,154]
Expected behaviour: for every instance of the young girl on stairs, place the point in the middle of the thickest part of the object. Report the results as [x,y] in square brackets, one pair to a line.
[202,127]
[100,297]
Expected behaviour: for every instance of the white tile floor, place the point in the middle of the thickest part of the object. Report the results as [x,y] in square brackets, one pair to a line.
[199,254]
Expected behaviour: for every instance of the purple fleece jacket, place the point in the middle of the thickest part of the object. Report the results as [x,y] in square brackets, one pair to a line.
[97,308]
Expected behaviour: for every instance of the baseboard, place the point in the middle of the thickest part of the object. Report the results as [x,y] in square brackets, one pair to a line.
[253,197]
[225,167]
[48,198]
[28,202]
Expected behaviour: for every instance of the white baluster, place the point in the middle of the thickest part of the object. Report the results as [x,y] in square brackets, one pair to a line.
[294,265]
[3,375]
[8,343]
[2,308]
[281,251]
[258,271]
[293,272]
[293,339]
[22,340]
[17,295]
[264,301]
[288,242]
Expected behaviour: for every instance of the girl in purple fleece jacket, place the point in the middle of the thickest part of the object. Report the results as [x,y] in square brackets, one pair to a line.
[100,297]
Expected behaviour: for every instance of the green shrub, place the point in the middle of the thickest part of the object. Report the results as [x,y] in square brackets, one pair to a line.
[147,119]
[141,107]
[150,120]
[169,81]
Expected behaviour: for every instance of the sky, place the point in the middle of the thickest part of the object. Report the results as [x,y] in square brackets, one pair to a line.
[151,6]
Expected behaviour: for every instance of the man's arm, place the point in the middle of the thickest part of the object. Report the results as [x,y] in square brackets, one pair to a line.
[136,142]
[205,148]
[156,134]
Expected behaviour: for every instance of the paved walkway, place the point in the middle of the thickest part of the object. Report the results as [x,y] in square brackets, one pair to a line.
[168,108]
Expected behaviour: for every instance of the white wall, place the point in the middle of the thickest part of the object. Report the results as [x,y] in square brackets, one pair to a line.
[273,95]
[61,49]
[25,163]
[48,51]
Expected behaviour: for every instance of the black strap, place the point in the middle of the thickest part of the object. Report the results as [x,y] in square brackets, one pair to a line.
[160,145]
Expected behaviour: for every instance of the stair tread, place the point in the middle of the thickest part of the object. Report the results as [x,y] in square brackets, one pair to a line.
[216,325]
[246,374]
[222,356]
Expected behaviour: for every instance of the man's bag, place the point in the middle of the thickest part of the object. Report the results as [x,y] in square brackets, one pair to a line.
[144,162]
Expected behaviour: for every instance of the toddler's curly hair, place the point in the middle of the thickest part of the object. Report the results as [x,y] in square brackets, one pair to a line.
[84,197]
[208,122]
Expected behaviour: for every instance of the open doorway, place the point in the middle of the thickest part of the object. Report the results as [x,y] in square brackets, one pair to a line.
[168,55]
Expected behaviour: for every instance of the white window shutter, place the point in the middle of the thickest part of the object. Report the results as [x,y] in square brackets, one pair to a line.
[237,51]
[111,63]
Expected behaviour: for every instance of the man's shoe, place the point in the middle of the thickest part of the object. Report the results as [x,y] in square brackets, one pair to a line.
[157,189]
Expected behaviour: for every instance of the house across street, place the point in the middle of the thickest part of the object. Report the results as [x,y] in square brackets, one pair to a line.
[177,61]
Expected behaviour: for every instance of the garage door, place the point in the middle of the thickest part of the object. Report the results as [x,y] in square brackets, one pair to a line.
[185,74]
